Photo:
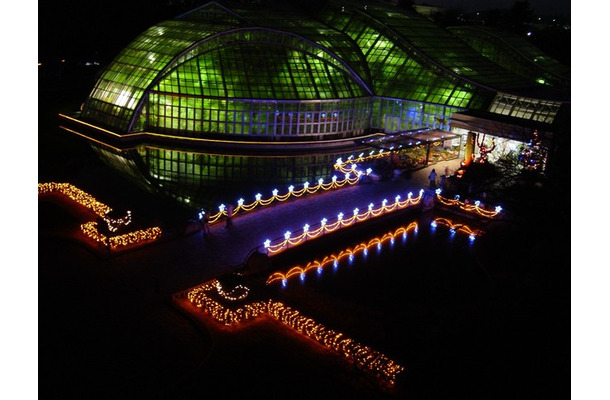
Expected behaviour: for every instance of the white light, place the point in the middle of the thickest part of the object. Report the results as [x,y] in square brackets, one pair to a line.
[353,166]
[339,161]
[369,170]
[421,191]
[334,178]
[323,221]
[476,203]
[320,181]
[433,224]
[397,198]
[371,207]
[356,211]
[267,243]
[258,197]
[350,157]
[240,202]
[347,176]
[360,155]
[290,188]
[438,191]
[471,237]
[340,216]
[371,153]
[306,228]
[384,202]
[221,207]
[274,192]
[498,209]
[410,194]
[457,196]
[306,185]
[287,235]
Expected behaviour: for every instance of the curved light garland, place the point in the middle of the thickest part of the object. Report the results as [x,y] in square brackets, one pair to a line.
[90,228]
[352,176]
[362,356]
[341,222]
[468,207]
[472,233]
[332,259]
[231,295]
[115,224]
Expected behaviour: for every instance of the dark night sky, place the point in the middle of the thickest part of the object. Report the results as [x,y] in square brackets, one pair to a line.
[74,27]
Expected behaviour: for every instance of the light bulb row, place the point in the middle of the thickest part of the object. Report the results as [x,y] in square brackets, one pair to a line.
[115,242]
[90,228]
[362,356]
[241,208]
[75,194]
[341,222]
[453,227]
[298,271]
[468,207]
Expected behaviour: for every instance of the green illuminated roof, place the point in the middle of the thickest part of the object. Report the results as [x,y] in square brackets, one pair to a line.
[515,53]
[240,52]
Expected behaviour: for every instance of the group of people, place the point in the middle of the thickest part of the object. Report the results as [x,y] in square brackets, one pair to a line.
[432,178]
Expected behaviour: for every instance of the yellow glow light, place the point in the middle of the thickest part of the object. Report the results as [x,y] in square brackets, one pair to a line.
[282,245]
[298,270]
[471,207]
[362,356]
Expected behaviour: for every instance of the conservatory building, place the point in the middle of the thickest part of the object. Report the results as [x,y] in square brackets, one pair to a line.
[232,96]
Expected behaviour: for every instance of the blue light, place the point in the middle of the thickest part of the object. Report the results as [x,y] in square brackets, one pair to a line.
[335,265]
[392,241]
[319,271]
[284,281]
[365,252]
[302,276]
[351,258]
[378,247]
[472,237]
[433,224]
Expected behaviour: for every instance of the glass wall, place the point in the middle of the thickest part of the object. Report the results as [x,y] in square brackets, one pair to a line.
[396,115]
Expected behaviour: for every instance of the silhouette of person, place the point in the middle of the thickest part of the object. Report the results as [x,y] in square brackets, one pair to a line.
[432,179]
[229,216]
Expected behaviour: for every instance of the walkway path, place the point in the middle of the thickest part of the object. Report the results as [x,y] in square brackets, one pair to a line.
[189,260]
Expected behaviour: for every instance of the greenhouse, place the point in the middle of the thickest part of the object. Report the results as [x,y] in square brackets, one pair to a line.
[267,94]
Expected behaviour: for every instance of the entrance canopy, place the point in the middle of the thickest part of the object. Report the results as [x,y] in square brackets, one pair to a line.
[408,139]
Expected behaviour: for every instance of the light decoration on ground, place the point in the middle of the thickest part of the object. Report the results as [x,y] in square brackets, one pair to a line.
[281,244]
[352,176]
[75,194]
[334,259]
[116,242]
[367,359]
[115,223]
[90,228]
[453,227]
[237,293]
[468,207]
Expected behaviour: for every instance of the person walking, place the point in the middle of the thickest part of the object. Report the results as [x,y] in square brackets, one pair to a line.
[229,216]
[205,221]
[432,179]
